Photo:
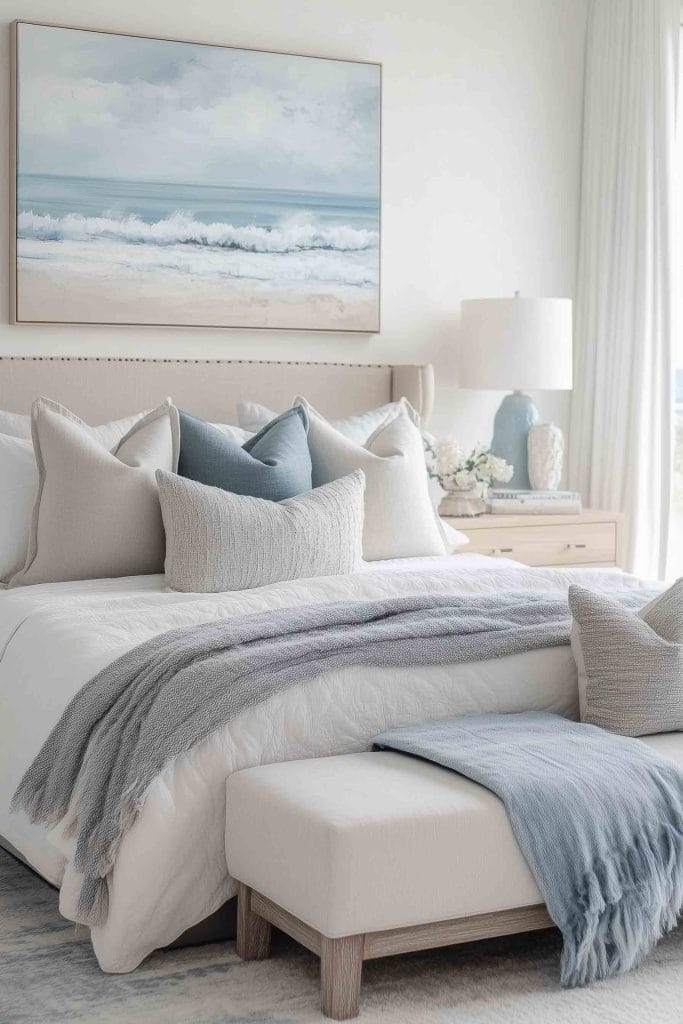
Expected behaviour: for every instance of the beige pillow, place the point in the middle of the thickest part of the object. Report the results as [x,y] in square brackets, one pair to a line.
[630,665]
[218,541]
[400,520]
[97,512]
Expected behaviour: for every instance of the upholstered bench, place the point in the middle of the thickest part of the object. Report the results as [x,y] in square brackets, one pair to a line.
[367,855]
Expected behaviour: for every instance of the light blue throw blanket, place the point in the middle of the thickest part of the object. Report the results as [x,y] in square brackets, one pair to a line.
[598,817]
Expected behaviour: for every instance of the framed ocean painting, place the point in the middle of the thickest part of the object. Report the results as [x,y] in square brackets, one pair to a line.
[186,184]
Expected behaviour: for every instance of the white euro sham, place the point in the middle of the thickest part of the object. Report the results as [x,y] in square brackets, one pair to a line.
[253,416]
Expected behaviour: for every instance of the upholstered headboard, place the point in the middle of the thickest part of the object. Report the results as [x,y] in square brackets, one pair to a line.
[100,389]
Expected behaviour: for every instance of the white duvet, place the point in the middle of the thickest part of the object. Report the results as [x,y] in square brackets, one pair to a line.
[171,871]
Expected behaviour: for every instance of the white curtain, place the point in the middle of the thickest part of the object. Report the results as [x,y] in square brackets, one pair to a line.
[621,436]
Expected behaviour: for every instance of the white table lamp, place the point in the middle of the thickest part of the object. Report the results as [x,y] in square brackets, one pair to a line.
[517,344]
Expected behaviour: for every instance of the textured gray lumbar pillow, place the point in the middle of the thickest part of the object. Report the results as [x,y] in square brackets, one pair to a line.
[218,541]
[630,665]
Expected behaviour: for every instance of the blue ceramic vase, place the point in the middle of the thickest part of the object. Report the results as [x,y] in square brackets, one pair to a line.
[515,417]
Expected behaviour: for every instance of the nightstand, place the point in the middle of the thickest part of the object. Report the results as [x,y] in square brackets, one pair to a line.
[587,538]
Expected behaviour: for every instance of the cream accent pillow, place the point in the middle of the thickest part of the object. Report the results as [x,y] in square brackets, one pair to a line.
[630,665]
[97,512]
[400,520]
[218,541]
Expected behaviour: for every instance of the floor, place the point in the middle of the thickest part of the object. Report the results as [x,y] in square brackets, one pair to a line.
[48,975]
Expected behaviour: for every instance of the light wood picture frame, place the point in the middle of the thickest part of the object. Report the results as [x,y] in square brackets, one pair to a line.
[162,182]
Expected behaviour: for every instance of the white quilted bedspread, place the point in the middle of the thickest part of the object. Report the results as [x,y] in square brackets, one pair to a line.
[171,871]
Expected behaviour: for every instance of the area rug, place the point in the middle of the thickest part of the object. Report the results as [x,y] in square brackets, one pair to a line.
[48,975]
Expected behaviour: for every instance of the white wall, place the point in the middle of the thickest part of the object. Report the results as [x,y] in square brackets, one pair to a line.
[481,142]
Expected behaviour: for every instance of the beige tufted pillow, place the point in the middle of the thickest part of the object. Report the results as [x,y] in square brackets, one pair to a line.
[97,512]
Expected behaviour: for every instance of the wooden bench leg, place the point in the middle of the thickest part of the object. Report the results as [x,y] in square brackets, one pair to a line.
[341,964]
[253,932]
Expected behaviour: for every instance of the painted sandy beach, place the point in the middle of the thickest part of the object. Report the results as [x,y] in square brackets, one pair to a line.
[177,184]
[75,288]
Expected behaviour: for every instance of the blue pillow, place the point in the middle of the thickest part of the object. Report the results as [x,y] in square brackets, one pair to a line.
[273,464]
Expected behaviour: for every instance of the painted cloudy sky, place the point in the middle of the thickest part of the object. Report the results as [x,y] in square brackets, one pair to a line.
[102,105]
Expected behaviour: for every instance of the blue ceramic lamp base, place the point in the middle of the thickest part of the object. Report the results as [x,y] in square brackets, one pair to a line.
[515,417]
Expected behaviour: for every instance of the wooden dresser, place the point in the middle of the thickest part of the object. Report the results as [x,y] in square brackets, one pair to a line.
[588,538]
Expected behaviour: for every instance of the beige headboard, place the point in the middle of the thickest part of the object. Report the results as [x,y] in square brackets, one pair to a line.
[100,389]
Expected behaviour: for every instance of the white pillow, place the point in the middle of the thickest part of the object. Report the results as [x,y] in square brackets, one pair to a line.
[253,416]
[400,520]
[15,424]
[236,433]
[18,485]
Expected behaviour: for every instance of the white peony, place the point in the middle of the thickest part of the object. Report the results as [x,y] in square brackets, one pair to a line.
[448,457]
[447,463]
[499,469]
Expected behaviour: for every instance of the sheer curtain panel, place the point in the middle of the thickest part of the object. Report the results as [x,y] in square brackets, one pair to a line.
[621,435]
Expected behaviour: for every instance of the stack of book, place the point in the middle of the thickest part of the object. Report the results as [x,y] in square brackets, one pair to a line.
[543,503]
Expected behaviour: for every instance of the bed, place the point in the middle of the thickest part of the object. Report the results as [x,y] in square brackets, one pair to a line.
[170,874]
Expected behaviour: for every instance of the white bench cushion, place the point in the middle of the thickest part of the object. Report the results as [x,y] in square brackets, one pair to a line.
[364,842]
[370,841]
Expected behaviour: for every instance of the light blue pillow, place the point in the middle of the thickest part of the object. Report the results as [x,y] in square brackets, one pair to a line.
[274,464]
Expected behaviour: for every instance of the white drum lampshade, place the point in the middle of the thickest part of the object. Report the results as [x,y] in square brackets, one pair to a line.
[516,344]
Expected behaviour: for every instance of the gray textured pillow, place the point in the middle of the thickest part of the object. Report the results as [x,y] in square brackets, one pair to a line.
[630,665]
[97,512]
[218,541]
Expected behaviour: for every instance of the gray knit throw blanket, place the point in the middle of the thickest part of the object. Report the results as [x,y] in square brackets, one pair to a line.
[162,698]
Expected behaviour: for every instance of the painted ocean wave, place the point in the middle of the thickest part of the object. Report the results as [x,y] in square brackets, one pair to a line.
[179,228]
[117,260]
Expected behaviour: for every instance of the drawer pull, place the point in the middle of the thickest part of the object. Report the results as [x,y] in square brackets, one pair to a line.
[501,551]
[573,547]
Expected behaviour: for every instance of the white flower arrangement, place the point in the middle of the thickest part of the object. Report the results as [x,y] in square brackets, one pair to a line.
[447,463]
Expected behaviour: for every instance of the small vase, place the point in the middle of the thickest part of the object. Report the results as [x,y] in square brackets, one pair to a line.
[462,501]
[546,449]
